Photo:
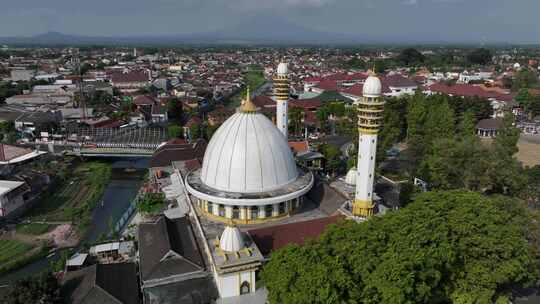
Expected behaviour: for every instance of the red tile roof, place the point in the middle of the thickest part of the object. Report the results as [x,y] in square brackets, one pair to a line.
[272,238]
[132,76]
[328,85]
[299,146]
[144,100]
[263,101]
[468,90]
[306,103]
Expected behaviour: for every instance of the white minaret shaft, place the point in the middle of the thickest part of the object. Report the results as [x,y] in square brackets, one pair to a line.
[370,115]
[281,95]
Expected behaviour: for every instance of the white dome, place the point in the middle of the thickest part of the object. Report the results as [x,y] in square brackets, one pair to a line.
[231,239]
[372,87]
[248,154]
[282,69]
[351,176]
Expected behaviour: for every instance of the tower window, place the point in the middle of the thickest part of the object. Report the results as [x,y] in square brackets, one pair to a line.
[236,212]
[221,211]
[268,210]
[254,212]
[281,208]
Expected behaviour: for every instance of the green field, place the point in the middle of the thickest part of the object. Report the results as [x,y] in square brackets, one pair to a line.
[253,79]
[11,250]
[34,228]
[74,198]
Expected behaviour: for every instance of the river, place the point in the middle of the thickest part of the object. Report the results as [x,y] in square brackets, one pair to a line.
[126,179]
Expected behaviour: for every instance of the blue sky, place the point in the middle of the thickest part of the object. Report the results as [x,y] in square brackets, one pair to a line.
[415,20]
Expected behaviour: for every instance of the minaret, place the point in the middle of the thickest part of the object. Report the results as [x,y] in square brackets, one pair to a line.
[281,95]
[370,115]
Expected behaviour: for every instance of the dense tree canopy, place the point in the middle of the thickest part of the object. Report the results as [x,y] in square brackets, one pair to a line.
[480,56]
[41,289]
[410,56]
[445,247]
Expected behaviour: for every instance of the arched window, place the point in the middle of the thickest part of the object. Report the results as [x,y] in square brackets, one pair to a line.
[268,210]
[244,288]
[254,212]
[221,210]
[236,212]
[282,208]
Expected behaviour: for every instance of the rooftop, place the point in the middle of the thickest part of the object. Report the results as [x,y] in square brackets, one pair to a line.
[168,248]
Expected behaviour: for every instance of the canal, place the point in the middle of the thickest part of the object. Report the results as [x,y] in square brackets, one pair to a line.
[126,179]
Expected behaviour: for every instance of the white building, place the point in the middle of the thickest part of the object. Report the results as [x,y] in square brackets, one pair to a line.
[249,173]
[11,196]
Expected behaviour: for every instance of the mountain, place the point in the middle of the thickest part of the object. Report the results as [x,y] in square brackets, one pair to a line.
[258,29]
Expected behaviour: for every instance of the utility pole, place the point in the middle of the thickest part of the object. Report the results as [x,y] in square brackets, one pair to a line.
[82,102]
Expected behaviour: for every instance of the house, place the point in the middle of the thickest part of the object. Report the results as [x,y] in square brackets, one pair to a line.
[33,122]
[171,265]
[130,81]
[103,284]
[22,75]
[33,100]
[159,114]
[396,85]
[489,128]
[113,252]
[173,152]
[13,155]
[12,197]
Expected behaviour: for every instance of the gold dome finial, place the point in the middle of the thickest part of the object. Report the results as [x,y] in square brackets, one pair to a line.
[248,106]
[372,71]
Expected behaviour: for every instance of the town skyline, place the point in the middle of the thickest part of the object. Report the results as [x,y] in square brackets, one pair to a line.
[387,21]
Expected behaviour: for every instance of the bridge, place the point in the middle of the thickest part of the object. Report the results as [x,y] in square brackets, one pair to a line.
[107,142]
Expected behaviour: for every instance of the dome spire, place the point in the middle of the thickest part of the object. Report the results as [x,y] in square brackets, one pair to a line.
[248,106]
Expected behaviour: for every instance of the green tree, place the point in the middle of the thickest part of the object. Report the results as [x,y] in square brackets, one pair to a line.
[296,114]
[174,131]
[524,79]
[210,130]
[151,203]
[450,247]
[40,289]
[531,192]
[175,109]
[332,157]
[411,56]
[480,56]
[508,137]
[195,131]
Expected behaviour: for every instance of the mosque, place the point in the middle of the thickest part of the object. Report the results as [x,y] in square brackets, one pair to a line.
[249,174]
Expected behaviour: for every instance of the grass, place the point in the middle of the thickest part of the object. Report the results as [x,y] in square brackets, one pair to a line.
[11,250]
[15,254]
[253,79]
[34,228]
[74,198]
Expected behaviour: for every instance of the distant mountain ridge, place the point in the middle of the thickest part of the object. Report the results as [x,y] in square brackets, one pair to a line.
[259,29]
